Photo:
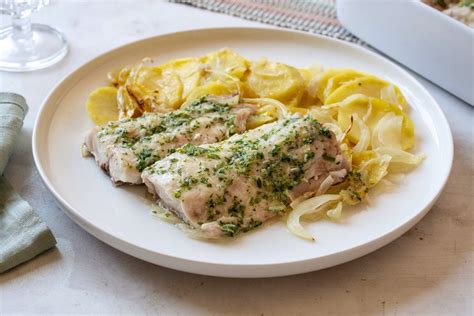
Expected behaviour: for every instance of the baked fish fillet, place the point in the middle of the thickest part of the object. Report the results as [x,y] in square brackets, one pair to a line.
[125,148]
[239,183]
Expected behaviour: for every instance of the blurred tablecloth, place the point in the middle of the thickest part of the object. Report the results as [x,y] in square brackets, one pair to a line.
[315,16]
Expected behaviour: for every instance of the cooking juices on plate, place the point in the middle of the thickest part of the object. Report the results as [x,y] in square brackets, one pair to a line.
[225,144]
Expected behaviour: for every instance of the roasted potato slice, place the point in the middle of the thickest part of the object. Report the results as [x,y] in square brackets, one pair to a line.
[225,61]
[277,81]
[324,78]
[213,89]
[340,79]
[155,89]
[101,105]
[189,71]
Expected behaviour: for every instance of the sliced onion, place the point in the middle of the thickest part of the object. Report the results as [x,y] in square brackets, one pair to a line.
[373,170]
[336,212]
[369,112]
[347,152]
[324,115]
[309,206]
[364,135]
[313,84]
[234,80]
[325,185]
[282,111]
[401,160]
[395,177]
[332,106]
[388,131]
[348,129]
[389,95]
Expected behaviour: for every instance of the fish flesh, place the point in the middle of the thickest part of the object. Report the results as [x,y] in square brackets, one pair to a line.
[126,147]
[237,184]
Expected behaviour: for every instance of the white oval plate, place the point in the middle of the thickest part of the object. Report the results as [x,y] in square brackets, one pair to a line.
[121,216]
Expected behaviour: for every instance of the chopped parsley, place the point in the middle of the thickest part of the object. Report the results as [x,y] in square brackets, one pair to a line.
[328,157]
[229,228]
[143,158]
[325,132]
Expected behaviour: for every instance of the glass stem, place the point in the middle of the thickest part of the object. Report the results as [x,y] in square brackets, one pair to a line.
[22,29]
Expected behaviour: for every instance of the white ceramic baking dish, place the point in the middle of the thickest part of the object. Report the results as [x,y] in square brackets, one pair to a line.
[429,42]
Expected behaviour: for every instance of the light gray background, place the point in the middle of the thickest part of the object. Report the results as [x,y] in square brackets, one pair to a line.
[427,271]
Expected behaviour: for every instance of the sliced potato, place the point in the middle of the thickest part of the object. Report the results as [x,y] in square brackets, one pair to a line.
[101,105]
[295,109]
[308,101]
[392,94]
[155,89]
[370,86]
[189,71]
[277,81]
[213,88]
[246,91]
[226,61]
[340,79]
[324,78]
[306,73]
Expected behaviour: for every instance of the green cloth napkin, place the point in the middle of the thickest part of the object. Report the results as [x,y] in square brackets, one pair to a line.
[23,235]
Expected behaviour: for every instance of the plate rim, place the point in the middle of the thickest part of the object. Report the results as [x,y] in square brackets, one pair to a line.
[224,269]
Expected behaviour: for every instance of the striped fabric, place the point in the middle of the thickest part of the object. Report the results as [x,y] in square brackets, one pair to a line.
[316,16]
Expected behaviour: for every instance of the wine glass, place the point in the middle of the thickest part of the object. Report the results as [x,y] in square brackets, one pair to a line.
[25,46]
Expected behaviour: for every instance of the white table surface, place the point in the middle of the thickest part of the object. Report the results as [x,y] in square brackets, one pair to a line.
[427,271]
